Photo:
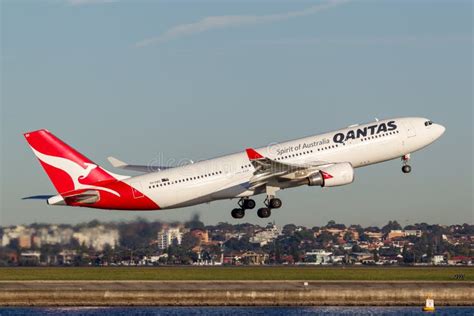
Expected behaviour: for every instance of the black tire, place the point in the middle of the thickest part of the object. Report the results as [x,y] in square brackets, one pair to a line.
[275,203]
[264,212]
[238,213]
[406,169]
[249,204]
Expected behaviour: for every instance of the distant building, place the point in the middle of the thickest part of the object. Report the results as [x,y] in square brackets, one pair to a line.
[267,235]
[458,260]
[30,257]
[438,259]
[97,237]
[20,233]
[354,234]
[413,232]
[229,235]
[11,256]
[52,235]
[395,234]
[319,256]
[24,241]
[167,236]
[254,258]
[374,235]
[363,257]
[335,231]
[67,257]
[201,234]
[404,233]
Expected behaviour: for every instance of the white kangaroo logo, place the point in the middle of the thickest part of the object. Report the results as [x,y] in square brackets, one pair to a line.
[74,170]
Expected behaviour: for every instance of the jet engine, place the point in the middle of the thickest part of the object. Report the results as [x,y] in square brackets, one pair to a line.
[334,175]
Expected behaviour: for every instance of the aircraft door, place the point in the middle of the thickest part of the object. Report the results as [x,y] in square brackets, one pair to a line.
[411,132]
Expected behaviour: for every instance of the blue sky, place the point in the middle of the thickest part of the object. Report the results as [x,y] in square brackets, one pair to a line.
[142,80]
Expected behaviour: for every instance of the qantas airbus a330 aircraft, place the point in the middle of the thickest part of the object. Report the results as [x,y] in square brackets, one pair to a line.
[325,160]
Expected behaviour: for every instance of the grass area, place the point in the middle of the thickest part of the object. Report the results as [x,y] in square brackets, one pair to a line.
[239,273]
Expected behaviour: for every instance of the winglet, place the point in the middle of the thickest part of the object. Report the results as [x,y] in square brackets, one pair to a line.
[116,163]
[252,154]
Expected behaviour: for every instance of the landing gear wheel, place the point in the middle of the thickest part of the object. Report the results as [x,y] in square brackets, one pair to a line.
[406,169]
[264,212]
[238,213]
[274,203]
[248,204]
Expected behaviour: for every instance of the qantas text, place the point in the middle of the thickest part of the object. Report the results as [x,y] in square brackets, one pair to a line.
[363,132]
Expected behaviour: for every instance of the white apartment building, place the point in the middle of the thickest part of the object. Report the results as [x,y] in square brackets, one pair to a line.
[266,236]
[97,237]
[169,235]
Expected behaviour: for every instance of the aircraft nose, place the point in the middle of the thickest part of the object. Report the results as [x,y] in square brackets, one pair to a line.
[439,130]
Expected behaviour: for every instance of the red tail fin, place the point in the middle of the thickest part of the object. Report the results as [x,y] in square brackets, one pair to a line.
[68,169]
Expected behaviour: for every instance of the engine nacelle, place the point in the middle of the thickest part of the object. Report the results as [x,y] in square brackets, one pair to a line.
[334,175]
[316,179]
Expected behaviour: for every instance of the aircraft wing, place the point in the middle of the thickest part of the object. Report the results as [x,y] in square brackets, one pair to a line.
[141,168]
[270,171]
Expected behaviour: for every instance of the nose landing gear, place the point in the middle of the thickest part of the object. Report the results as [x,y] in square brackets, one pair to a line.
[406,168]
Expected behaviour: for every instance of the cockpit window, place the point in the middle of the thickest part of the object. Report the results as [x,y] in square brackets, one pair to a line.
[428,123]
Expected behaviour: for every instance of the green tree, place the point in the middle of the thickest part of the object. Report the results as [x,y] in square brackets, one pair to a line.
[348,236]
[376,255]
[356,248]
[333,224]
[288,229]
[392,225]
[188,241]
[408,255]
[195,223]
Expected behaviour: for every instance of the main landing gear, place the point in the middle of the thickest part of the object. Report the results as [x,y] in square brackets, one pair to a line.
[406,167]
[238,213]
[271,202]
[264,212]
[245,204]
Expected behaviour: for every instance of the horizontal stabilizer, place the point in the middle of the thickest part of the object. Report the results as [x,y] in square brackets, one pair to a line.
[140,168]
[37,197]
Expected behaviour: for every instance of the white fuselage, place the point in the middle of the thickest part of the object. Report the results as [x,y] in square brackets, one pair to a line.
[228,176]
